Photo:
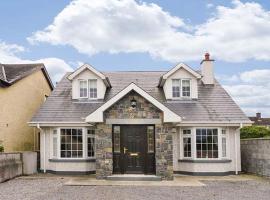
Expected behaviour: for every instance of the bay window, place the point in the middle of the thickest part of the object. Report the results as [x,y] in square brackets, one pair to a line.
[203,143]
[73,143]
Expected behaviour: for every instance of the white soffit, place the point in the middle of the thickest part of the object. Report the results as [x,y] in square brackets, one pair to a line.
[168,115]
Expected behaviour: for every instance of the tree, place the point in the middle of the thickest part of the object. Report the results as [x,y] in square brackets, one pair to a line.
[254,132]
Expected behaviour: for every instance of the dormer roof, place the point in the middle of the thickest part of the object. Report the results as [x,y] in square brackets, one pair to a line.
[164,77]
[92,69]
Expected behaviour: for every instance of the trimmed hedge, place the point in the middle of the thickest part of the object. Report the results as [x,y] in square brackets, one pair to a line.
[1,148]
[254,132]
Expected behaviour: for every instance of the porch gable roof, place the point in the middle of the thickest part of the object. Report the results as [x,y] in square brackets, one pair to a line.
[168,115]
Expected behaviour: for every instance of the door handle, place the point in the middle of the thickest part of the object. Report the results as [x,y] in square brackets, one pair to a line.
[125,150]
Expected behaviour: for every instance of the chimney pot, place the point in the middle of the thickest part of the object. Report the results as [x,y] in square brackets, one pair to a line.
[206,56]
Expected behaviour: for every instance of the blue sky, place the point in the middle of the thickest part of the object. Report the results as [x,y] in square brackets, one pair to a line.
[146,35]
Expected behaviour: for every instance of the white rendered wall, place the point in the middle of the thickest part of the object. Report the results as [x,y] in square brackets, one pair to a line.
[85,75]
[181,74]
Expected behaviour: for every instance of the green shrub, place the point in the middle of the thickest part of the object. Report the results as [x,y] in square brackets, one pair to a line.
[1,148]
[254,132]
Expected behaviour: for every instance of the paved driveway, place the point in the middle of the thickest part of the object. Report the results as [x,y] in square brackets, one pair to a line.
[54,187]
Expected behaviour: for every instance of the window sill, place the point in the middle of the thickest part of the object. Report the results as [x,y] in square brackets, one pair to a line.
[72,160]
[205,161]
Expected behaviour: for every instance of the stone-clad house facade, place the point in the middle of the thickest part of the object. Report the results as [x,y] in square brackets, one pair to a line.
[158,123]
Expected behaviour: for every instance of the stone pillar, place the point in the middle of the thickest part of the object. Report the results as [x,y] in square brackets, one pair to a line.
[104,156]
[164,151]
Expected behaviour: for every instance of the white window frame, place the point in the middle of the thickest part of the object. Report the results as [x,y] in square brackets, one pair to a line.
[55,148]
[224,136]
[180,82]
[187,136]
[181,88]
[86,142]
[194,144]
[84,97]
[185,79]
[88,88]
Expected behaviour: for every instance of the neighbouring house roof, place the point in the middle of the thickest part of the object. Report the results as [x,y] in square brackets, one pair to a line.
[260,121]
[11,73]
[213,103]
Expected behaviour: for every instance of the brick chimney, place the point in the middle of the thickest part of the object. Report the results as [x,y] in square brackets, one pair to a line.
[207,70]
[258,115]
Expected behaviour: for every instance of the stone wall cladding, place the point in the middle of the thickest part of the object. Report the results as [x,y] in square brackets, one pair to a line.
[143,110]
[164,151]
[123,110]
[255,154]
[104,161]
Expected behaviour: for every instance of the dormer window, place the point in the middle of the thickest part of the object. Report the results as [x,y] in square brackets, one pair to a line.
[176,85]
[92,89]
[180,88]
[185,88]
[83,88]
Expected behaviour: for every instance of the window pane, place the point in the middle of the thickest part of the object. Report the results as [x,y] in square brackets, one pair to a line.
[187,146]
[83,88]
[150,139]
[116,141]
[71,143]
[207,143]
[90,142]
[176,87]
[185,88]
[92,88]
[224,147]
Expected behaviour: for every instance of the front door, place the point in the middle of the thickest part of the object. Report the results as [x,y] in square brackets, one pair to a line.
[131,149]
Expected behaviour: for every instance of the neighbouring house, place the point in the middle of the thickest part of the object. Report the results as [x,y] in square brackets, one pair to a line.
[146,122]
[23,89]
[260,121]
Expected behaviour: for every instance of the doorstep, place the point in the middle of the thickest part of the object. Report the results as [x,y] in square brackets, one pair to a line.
[133,177]
[178,181]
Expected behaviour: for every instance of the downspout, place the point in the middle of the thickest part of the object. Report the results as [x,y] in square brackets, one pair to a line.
[44,149]
[236,150]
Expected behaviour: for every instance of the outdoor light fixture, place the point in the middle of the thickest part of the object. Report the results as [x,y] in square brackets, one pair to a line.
[133,103]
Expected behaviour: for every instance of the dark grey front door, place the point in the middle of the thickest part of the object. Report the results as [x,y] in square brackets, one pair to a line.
[132,156]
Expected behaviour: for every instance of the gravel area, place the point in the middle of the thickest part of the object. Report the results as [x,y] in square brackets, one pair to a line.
[53,188]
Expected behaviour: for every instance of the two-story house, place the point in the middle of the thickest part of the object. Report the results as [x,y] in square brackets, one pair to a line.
[23,89]
[141,122]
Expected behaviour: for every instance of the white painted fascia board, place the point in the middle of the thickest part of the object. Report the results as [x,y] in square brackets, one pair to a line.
[52,124]
[215,123]
[176,68]
[97,116]
[92,69]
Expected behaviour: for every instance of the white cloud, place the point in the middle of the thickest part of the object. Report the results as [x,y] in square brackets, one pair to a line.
[252,91]
[256,76]
[56,67]
[209,5]
[234,34]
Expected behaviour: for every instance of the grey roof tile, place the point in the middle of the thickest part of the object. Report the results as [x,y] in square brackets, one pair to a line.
[213,103]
